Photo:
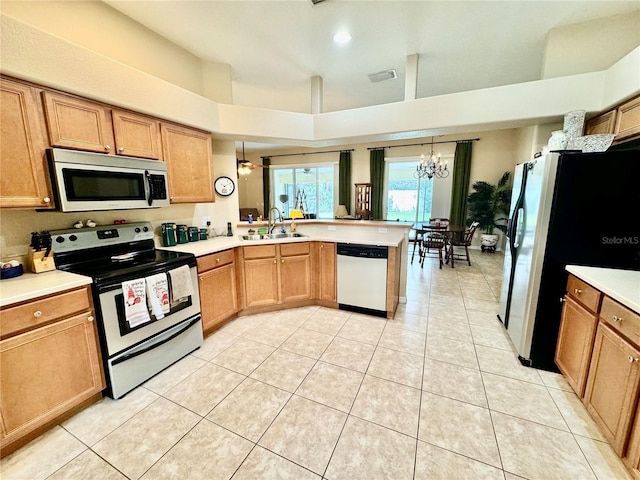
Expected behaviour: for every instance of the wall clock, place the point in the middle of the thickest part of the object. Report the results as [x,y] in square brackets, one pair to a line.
[224,186]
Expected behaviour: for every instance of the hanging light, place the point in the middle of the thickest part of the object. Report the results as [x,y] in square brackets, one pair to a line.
[431,166]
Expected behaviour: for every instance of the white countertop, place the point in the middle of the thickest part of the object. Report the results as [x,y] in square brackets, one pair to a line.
[621,285]
[32,285]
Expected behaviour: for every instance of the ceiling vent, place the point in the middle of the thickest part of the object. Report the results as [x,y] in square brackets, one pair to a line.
[384,75]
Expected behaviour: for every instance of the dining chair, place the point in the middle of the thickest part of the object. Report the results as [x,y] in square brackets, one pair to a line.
[461,241]
[432,240]
[415,237]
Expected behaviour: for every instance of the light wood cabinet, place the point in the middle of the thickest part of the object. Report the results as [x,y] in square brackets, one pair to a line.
[575,343]
[295,272]
[49,370]
[612,386]
[188,156]
[24,181]
[628,119]
[217,285]
[604,123]
[326,271]
[136,135]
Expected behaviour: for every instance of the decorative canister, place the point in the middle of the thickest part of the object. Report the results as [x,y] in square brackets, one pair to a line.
[193,234]
[558,140]
[181,234]
[204,233]
[574,124]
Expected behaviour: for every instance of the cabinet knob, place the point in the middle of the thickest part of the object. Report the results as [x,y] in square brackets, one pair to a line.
[121,149]
[322,245]
[37,313]
[107,147]
[274,261]
[46,199]
[633,359]
[282,260]
[562,300]
[90,318]
[218,260]
[577,290]
[617,318]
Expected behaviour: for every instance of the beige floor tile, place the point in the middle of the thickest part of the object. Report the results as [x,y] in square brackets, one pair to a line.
[361,330]
[207,451]
[397,366]
[326,320]
[554,380]
[460,427]
[478,292]
[265,465]
[434,463]
[349,354]
[602,459]
[419,306]
[284,370]
[86,465]
[331,385]
[214,345]
[502,362]
[446,302]
[41,457]
[522,399]
[454,381]
[295,316]
[243,325]
[403,341]
[388,404]
[575,414]
[477,317]
[447,328]
[308,343]
[452,313]
[244,356]
[409,321]
[135,446]
[101,418]
[536,451]
[491,336]
[250,408]
[271,334]
[369,451]
[306,433]
[489,306]
[169,378]
[451,351]
[204,389]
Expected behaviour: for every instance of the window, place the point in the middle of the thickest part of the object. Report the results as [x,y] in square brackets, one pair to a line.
[310,187]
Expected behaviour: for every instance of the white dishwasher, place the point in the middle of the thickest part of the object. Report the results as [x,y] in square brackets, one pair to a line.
[362,278]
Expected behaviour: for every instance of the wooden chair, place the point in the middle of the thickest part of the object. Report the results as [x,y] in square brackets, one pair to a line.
[442,221]
[433,240]
[415,237]
[464,241]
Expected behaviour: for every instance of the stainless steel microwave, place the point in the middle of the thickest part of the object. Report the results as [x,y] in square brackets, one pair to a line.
[85,181]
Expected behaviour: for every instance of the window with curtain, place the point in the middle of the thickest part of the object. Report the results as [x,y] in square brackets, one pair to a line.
[314,184]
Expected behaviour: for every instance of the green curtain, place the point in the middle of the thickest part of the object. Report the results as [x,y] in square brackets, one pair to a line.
[344,180]
[266,186]
[460,182]
[376,165]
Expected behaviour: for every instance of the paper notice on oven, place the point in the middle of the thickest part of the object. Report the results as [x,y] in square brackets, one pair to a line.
[135,302]
[158,294]
[181,287]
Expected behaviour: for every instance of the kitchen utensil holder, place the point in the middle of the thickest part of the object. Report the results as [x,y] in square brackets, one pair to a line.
[39,263]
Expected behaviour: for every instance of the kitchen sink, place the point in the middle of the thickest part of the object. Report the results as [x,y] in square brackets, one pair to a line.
[273,236]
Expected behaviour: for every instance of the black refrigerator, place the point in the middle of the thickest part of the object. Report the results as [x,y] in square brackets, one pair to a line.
[567,208]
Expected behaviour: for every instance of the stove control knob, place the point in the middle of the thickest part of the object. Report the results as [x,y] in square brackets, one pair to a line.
[72,238]
[59,239]
[145,229]
[137,229]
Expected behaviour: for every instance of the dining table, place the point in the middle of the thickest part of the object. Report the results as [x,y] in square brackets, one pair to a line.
[447,230]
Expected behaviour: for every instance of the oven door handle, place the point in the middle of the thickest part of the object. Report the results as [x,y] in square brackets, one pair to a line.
[124,358]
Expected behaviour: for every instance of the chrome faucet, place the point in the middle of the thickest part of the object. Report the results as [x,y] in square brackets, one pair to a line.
[272,221]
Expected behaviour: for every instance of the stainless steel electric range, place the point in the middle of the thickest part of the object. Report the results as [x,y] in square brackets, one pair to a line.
[146,300]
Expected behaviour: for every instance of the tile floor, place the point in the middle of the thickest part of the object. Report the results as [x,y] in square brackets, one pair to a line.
[310,393]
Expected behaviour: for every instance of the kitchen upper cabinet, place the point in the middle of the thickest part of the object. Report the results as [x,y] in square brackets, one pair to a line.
[24,181]
[136,135]
[326,268]
[51,368]
[188,156]
[604,123]
[628,119]
[78,123]
[612,386]
[217,285]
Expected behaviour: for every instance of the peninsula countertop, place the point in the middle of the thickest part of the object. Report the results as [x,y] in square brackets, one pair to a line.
[621,285]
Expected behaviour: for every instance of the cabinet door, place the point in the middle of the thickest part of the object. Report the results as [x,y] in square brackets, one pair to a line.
[604,123]
[188,156]
[79,124]
[327,270]
[261,282]
[575,343]
[628,119]
[295,278]
[612,386]
[136,135]
[24,181]
[218,299]
[46,372]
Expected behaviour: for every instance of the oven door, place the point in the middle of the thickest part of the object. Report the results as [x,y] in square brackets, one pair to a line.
[118,336]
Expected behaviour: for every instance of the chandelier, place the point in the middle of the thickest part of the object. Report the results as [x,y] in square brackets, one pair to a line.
[431,166]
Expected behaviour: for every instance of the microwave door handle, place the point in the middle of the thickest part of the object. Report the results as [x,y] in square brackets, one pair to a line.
[149,186]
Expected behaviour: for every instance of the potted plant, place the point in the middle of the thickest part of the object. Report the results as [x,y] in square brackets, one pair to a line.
[489,206]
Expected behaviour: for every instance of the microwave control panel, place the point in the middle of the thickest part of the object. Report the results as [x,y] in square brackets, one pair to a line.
[158,187]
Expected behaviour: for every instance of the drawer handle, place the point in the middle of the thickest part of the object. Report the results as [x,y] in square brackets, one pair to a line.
[577,290]
[37,313]
[633,359]
[90,318]
[617,318]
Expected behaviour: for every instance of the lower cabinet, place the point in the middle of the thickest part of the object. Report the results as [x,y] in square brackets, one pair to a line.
[326,268]
[48,370]
[217,285]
